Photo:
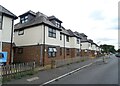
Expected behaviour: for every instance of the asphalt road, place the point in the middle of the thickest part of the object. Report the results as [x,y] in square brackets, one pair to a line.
[98,73]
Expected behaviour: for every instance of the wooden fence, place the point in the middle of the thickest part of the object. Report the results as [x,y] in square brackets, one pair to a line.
[14,71]
[9,72]
[62,62]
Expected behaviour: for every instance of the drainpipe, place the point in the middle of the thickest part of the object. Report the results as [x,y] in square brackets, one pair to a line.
[11,44]
[44,46]
[64,46]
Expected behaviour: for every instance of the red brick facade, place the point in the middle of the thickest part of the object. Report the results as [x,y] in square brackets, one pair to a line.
[6,48]
[35,53]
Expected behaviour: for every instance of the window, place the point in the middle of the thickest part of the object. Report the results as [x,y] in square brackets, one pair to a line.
[60,36]
[67,51]
[20,50]
[24,19]
[52,52]
[67,38]
[57,24]
[0,20]
[51,32]
[21,32]
[60,51]
[77,41]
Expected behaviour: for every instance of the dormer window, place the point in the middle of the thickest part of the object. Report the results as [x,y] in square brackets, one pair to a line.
[24,19]
[57,24]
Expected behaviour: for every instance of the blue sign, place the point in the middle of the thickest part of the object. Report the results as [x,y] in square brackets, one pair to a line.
[3,57]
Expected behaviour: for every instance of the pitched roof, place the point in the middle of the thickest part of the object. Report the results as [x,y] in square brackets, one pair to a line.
[72,34]
[7,12]
[77,33]
[64,31]
[53,17]
[31,12]
[40,18]
[90,40]
[82,34]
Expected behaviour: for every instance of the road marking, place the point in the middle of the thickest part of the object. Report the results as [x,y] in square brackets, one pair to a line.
[55,79]
[32,79]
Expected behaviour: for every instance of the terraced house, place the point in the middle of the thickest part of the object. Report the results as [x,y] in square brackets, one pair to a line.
[88,47]
[6,32]
[41,38]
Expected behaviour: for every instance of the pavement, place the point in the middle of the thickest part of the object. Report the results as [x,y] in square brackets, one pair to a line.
[44,76]
[97,73]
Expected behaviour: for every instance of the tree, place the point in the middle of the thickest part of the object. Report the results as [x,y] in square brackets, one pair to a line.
[107,48]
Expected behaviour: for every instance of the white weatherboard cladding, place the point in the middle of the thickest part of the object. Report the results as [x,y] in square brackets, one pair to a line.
[62,41]
[93,47]
[67,44]
[97,48]
[73,43]
[6,29]
[85,45]
[52,41]
[31,36]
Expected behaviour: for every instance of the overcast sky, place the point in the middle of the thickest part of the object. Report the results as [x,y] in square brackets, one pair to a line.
[98,19]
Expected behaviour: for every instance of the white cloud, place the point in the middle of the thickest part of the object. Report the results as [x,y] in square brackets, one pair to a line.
[76,15]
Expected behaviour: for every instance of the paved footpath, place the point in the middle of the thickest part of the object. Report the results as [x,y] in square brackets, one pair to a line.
[46,75]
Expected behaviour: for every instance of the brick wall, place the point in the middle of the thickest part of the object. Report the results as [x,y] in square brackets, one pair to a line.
[33,53]
[6,48]
[27,54]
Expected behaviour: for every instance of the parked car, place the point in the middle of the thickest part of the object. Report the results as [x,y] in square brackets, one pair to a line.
[117,55]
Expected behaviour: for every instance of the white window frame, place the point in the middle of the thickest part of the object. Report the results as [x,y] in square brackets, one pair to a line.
[52,52]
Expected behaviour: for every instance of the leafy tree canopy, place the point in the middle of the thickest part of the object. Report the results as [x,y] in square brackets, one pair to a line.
[107,48]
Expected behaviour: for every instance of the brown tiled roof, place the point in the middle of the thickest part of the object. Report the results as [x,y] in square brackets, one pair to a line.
[40,18]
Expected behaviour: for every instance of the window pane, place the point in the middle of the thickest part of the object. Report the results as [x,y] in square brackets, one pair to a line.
[26,17]
[54,31]
[54,49]
[23,21]
[26,20]
[53,54]
[54,35]
[50,50]
[50,34]
[50,30]
[22,18]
